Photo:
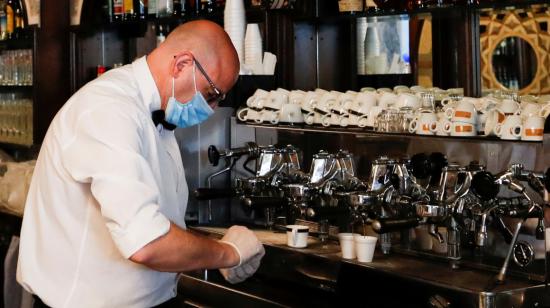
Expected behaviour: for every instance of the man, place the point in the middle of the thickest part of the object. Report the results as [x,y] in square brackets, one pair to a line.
[104,219]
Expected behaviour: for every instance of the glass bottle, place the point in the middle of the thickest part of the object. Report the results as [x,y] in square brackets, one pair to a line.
[129,10]
[3,21]
[165,8]
[10,18]
[118,10]
[141,9]
[19,19]
[152,8]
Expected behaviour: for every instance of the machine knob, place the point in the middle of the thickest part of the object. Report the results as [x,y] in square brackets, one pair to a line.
[213,155]
[438,301]
[484,186]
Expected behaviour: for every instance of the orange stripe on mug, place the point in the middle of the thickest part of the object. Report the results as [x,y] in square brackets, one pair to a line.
[425,127]
[501,117]
[463,129]
[463,114]
[534,132]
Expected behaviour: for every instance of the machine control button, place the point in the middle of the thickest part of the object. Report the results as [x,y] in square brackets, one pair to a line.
[524,253]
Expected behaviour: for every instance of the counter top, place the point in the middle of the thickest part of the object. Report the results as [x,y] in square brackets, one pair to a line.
[409,267]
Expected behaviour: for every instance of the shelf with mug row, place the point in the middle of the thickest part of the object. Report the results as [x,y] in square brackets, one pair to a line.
[370,133]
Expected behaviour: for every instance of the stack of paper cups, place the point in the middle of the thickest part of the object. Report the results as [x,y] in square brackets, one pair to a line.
[253,48]
[361,28]
[234,24]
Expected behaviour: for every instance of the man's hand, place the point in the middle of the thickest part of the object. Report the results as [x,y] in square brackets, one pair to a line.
[250,250]
[244,241]
[242,272]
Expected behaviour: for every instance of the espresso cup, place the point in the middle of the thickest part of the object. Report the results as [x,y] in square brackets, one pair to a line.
[510,129]
[291,113]
[258,100]
[296,236]
[463,129]
[386,99]
[248,114]
[309,101]
[268,116]
[443,127]
[533,128]
[508,106]
[276,99]
[408,100]
[296,96]
[424,123]
[530,109]
[464,111]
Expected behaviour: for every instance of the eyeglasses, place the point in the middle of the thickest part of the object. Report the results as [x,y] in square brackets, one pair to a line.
[218,95]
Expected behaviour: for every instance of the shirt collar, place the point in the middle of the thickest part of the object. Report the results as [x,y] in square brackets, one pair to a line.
[147,86]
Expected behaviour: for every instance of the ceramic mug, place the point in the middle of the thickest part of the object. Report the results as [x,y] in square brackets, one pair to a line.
[533,128]
[510,129]
[248,114]
[258,99]
[291,113]
[424,123]
[464,111]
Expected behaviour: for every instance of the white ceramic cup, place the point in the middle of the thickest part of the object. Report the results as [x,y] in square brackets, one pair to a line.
[533,128]
[443,127]
[408,100]
[545,110]
[510,129]
[508,106]
[364,247]
[529,109]
[268,116]
[463,129]
[258,100]
[465,111]
[291,113]
[248,114]
[424,123]
[296,236]
[347,245]
[386,99]
[309,101]
[296,96]
[494,117]
[277,98]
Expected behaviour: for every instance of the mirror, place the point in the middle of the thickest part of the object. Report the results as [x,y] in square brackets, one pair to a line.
[514,63]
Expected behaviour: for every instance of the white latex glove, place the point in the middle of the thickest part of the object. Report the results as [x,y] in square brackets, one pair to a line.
[242,272]
[244,241]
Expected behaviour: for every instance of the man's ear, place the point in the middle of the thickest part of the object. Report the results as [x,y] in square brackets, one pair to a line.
[182,60]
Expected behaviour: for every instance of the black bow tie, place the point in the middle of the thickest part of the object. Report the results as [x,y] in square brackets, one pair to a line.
[158,118]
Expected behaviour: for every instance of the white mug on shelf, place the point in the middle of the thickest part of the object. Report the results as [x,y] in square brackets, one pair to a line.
[424,123]
[533,128]
[247,114]
[258,100]
[464,111]
[463,129]
[510,129]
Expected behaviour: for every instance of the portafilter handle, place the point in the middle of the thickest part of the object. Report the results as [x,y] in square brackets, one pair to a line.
[385,225]
[214,155]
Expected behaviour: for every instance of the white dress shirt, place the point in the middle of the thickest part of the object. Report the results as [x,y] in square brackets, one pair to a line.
[107,182]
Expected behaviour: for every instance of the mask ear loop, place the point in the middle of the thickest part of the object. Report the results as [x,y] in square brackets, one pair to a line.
[173,82]
[194,79]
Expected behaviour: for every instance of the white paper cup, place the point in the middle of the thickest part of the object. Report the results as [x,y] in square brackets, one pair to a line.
[347,245]
[296,236]
[364,247]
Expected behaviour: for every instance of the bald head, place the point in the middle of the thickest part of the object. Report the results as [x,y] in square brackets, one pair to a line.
[208,43]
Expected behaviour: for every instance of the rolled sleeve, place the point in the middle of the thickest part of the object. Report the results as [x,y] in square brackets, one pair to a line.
[106,153]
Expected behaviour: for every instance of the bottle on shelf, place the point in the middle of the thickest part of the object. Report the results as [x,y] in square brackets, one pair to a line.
[209,7]
[19,19]
[118,10]
[165,8]
[160,34]
[350,6]
[152,8]
[141,9]
[10,18]
[3,21]
[129,10]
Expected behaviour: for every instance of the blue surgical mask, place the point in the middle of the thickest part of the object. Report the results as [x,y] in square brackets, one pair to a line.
[190,113]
